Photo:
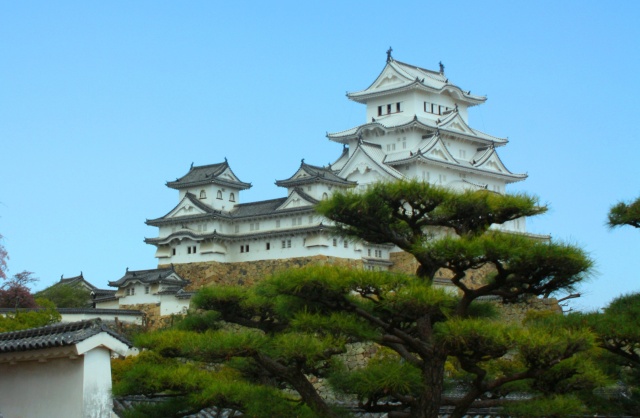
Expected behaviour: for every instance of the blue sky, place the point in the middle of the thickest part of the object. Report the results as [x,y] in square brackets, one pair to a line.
[101,103]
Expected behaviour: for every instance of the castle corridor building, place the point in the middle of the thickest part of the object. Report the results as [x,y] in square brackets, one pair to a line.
[416,127]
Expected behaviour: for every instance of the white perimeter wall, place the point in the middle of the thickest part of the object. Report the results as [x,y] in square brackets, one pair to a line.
[31,389]
[97,402]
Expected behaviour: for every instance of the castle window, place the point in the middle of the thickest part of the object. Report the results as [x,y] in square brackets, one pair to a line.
[268,246]
[311,219]
[173,251]
[147,289]
[325,196]
[237,229]
[242,248]
[193,249]
[388,108]
[232,197]
[254,226]
[379,110]
[203,194]
[277,223]
[369,252]
[219,195]
[335,242]
[288,243]
[284,244]
[398,107]
[346,244]
[188,250]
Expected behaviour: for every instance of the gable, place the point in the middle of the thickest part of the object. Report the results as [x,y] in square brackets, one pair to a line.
[438,151]
[363,168]
[185,208]
[228,175]
[388,80]
[294,201]
[456,123]
[494,164]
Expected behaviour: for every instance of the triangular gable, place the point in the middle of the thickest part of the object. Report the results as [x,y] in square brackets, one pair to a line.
[491,162]
[228,175]
[437,150]
[388,78]
[185,208]
[456,123]
[295,200]
[368,162]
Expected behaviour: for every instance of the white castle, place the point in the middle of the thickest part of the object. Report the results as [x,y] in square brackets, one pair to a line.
[417,127]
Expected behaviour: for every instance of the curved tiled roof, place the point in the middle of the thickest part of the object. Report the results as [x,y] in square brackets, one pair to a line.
[160,275]
[313,174]
[196,202]
[237,237]
[208,174]
[415,77]
[420,122]
[58,335]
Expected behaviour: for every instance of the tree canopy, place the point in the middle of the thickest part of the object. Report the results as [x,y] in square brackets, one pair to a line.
[15,292]
[625,213]
[289,327]
[23,319]
[66,296]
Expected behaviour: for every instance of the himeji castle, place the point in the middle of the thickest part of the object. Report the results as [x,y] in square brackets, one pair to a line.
[416,127]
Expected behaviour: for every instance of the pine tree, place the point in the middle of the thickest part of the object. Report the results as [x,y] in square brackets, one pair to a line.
[430,334]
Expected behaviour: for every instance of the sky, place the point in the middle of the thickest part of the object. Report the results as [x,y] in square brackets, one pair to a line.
[101,103]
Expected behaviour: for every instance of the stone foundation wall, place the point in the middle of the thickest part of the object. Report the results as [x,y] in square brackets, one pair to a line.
[152,318]
[249,272]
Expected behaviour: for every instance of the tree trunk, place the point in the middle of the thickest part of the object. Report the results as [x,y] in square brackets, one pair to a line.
[300,383]
[428,403]
[463,406]
[310,395]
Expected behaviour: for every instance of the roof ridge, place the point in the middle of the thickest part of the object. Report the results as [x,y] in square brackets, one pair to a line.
[50,329]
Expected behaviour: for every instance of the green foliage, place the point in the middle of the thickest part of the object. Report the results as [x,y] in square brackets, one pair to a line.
[555,406]
[188,388]
[618,333]
[22,319]
[281,330]
[66,296]
[382,377]
[625,213]
[477,339]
